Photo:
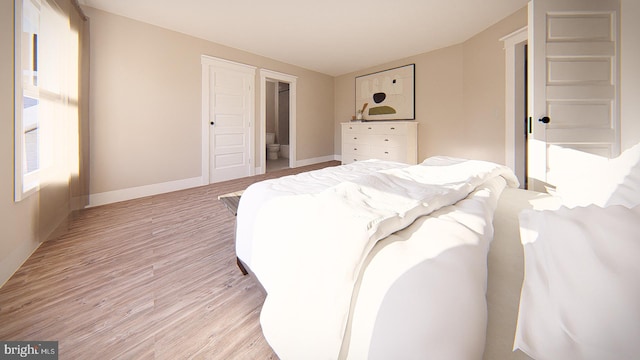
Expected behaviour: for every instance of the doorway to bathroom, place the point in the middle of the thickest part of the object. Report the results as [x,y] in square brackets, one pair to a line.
[277,121]
[277,125]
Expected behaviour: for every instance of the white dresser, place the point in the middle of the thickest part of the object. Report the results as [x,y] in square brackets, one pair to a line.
[384,140]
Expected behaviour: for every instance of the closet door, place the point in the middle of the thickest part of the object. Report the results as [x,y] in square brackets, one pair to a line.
[574,86]
[228,106]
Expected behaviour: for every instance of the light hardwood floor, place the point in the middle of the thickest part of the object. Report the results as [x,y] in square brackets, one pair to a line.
[151,278]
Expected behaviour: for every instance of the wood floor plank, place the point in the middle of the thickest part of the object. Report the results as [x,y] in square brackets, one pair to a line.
[151,278]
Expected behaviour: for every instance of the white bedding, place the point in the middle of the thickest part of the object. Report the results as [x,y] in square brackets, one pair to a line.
[581,291]
[423,293]
[303,249]
[305,183]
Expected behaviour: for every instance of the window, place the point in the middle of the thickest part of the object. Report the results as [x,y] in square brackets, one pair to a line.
[42,81]
[27,97]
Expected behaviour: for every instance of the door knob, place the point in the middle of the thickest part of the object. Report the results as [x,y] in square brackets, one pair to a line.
[545,120]
[212,123]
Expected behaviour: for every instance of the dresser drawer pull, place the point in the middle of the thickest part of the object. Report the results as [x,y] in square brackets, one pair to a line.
[355,138]
[393,128]
[386,152]
[369,128]
[386,139]
[355,149]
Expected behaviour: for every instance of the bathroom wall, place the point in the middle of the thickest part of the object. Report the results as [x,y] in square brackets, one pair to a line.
[283,114]
[270,107]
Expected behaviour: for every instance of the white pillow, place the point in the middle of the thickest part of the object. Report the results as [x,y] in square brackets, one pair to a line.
[603,182]
[581,291]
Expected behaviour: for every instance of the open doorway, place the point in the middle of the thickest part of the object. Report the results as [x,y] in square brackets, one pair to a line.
[277,125]
[516,121]
[277,121]
[522,108]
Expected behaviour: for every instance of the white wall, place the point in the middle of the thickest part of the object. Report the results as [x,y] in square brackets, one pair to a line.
[38,217]
[451,122]
[146,105]
[460,95]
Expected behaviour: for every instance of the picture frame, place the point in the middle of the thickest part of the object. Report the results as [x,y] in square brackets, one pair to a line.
[386,95]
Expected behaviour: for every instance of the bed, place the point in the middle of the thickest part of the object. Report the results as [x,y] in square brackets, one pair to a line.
[437,282]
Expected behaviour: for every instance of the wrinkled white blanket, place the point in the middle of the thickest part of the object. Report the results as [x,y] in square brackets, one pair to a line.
[308,249]
[312,182]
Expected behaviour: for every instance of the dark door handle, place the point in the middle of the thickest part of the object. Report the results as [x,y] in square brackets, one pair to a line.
[545,120]
[212,123]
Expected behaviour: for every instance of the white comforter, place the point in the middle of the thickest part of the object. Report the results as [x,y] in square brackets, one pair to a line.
[308,249]
[311,182]
[423,294]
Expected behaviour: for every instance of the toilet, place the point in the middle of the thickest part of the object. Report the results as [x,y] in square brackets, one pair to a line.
[272,147]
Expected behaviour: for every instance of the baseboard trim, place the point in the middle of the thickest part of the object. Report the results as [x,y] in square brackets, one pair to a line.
[14,260]
[110,197]
[317,160]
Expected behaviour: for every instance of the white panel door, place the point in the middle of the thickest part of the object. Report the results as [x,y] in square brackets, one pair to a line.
[573,94]
[230,108]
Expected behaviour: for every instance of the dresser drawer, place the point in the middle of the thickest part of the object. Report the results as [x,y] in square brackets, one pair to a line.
[356,149]
[357,128]
[390,153]
[376,128]
[348,158]
[388,140]
[358,138]
[391,129]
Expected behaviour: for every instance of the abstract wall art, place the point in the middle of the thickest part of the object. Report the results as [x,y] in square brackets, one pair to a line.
[387,95]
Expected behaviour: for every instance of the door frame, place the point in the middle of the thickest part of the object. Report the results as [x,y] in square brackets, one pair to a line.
[269,75]
[208,61]
[513,112]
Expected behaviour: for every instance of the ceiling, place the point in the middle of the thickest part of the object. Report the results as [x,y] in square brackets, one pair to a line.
[333,37]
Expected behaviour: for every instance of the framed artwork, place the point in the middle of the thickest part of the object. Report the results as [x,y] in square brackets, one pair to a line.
[386,95]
